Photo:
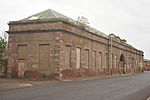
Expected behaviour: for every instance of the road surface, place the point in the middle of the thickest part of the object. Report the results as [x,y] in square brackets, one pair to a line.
[134,87]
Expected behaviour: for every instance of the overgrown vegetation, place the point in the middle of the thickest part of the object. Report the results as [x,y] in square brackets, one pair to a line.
[3,57]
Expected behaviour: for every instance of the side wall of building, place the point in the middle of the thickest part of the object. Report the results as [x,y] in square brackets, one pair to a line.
[95,55]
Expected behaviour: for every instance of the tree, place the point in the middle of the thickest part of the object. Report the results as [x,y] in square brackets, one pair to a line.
[3,47]
[3,44]
[82,22]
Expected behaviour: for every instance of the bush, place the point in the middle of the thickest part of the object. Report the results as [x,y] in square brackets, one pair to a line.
[3,57]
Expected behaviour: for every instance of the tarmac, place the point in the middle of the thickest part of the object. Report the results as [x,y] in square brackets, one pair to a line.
[127,87]
[16,83]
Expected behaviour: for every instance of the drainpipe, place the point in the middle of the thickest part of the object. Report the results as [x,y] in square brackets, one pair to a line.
[111,47]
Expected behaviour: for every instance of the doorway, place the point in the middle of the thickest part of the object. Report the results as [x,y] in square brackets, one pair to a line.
[122,63]
[21,66]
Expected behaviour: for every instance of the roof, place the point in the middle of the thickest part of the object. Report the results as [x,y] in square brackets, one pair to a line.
[47,14]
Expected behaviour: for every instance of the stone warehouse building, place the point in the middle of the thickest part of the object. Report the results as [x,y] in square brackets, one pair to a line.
[49,44]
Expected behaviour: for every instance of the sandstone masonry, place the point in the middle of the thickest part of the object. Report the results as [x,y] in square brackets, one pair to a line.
[58,47]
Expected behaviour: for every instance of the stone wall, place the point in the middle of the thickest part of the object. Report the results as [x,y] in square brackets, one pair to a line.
[59,37]
[77,38]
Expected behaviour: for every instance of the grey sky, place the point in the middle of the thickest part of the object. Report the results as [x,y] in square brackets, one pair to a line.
[130,19]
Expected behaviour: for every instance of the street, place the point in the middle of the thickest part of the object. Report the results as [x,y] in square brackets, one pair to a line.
[133,87]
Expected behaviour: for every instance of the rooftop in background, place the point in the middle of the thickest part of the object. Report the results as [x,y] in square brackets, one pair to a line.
[146,60]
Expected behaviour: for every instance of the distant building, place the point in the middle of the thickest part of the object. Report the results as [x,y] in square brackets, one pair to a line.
[146,64]
[53,45]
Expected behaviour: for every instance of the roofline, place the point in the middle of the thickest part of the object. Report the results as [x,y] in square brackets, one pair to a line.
[64,20]
[37,21]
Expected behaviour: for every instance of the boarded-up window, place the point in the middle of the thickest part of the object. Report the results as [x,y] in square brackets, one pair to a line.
[86,58]
[44,55]
[67,56]
[78,55]
[100,60]
[22,52]
[94,59]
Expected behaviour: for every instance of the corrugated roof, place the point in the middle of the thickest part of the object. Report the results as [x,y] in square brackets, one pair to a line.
[47,14]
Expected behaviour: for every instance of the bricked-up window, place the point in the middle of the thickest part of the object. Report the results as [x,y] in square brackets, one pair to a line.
[22,52]
[130,62]
[135,61]
[78,57]
[68,56]
[138,60]
[86,58]
[94,59]
[44,56]
[106,60]
[100,60]
[114,59]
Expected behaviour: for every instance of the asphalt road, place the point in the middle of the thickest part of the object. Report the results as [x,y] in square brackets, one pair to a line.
[135,87]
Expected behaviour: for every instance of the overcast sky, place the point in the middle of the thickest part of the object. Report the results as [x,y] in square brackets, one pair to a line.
[130,19]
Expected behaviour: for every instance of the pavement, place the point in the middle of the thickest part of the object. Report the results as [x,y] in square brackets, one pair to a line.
[131,87]
[11,84]
[14,83]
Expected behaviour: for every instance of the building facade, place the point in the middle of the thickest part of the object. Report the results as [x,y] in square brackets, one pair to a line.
[49,44]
